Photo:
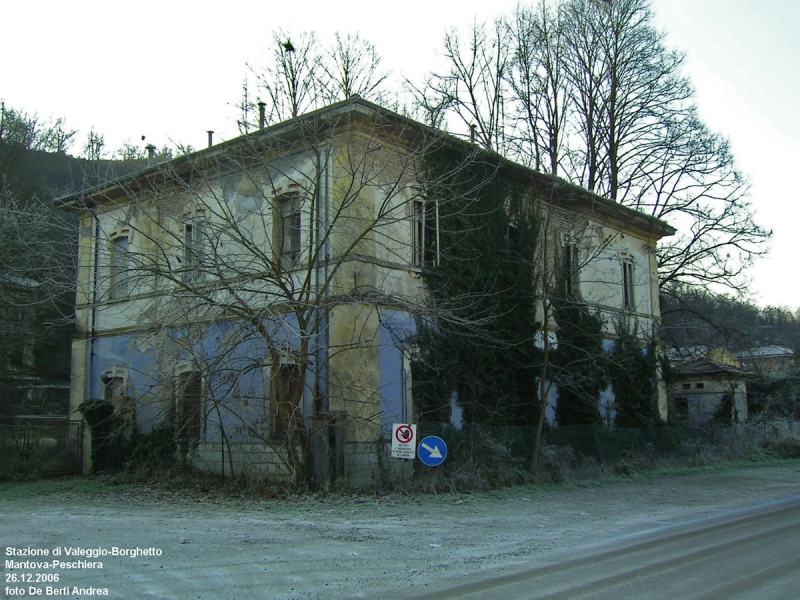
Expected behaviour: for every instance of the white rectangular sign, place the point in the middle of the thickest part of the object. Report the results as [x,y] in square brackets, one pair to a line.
[404,441]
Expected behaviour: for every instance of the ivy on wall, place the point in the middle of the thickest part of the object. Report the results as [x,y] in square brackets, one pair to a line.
[633,373]
[479,342]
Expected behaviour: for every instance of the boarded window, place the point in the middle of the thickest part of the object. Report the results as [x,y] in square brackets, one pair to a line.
[120,268]
[289,227]
[681,408]
[190,413]
[193,249]
[627,286]
[114,391]
[572,266]
[287,394]
[424,234]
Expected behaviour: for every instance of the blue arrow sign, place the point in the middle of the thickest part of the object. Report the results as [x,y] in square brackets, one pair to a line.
[432,451]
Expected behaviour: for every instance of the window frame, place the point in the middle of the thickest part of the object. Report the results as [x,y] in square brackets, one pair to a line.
[572,267]
[194,248]
[119,268]
[424,222]
[288,227]
[628,285]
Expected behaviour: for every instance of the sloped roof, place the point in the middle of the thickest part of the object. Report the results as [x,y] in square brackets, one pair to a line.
[357,106]
[766,352]
[705,367]
[691,353]
[686,354]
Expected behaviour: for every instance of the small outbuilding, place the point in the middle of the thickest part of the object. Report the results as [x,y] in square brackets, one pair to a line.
[708,386]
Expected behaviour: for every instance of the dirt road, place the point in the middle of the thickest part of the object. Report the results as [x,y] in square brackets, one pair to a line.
[345,547]
[750,554]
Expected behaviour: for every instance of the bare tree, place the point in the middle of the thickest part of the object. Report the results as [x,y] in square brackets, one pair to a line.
[30,133]
[36,273]
[301,75]
[539,84]
[288,84]
[93,148]
[472,89]
[597,97]
[352,67]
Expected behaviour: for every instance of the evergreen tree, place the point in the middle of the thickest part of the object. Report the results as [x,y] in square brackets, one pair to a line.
[633,375]
[481,344]
[577,362]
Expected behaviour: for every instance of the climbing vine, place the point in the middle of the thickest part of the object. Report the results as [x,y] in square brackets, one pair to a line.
[480,342]
[632,370]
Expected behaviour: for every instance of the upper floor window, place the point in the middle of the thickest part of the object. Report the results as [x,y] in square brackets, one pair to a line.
[289,226]
[572,266]
[194,233]
[628,300]
[120,267]
[425,233]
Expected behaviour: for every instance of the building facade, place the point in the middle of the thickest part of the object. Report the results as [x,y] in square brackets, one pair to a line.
[259,298]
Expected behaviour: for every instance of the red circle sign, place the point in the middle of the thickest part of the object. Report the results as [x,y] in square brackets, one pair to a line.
[404,434]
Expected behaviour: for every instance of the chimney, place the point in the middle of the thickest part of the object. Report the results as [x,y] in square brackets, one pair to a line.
[261,117]
[210,138]
[472,129]
[151,153]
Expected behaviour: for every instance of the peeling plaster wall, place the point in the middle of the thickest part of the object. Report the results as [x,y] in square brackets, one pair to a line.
[704,404]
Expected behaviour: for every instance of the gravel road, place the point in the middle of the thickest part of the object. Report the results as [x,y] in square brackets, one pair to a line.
[390,546]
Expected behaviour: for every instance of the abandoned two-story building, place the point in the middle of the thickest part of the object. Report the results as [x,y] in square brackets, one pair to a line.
[258,297]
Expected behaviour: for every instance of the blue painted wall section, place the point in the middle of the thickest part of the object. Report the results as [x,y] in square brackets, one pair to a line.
[396,329]
[232,357]
[129,352]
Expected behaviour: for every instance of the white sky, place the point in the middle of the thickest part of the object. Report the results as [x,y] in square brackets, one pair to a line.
[172,70]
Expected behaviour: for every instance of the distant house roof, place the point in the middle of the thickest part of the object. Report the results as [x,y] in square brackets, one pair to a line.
[765,352]
[687,354]
[705,367]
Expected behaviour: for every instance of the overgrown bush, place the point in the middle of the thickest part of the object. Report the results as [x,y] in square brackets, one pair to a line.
[632,370]
[577,362]
[154,450]
[108,445]
[771,397]
[115,446]
[785,447]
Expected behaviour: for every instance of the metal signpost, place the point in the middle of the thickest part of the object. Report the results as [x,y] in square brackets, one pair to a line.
[404,441]
[432,451]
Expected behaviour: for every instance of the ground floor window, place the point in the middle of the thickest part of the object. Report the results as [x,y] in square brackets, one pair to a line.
[190,406]
[287,391]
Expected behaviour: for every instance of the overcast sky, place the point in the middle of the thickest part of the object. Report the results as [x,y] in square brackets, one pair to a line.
[172,70]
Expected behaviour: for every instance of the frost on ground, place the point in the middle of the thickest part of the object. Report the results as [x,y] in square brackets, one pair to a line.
[389,546]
